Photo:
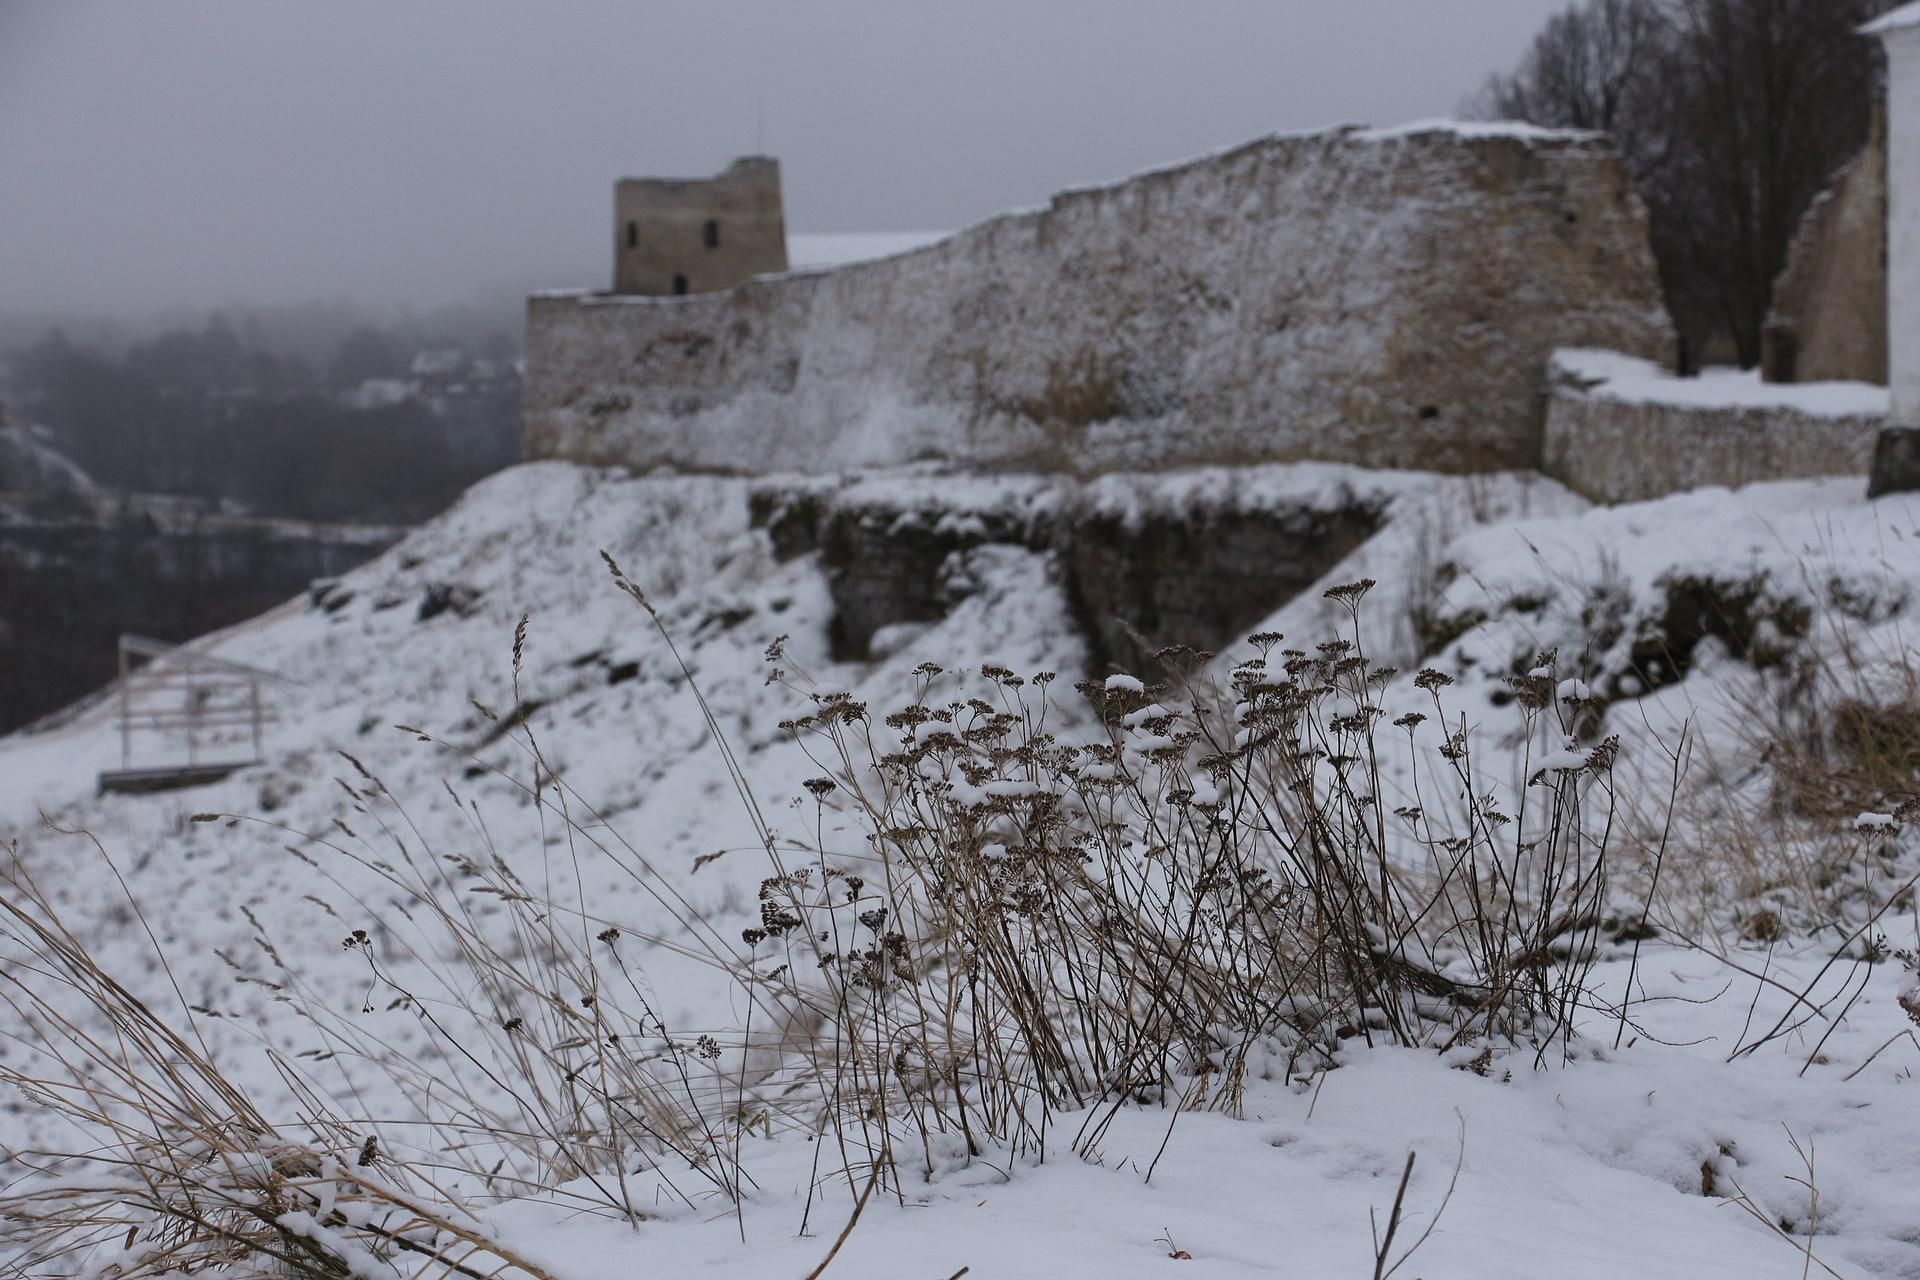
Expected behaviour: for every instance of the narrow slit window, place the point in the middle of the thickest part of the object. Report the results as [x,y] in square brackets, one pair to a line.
[679,283]
[633,235]
[712,234]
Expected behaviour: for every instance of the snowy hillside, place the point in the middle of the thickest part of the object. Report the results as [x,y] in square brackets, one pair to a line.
[1659,1137]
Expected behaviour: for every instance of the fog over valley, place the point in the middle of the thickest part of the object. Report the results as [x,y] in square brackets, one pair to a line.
[217,152]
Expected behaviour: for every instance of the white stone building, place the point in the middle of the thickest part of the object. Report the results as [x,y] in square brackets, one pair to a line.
[1899,454]
[1899,31]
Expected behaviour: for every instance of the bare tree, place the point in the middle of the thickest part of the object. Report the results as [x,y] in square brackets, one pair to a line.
[1777,95]
[1589,68]
[1732,115]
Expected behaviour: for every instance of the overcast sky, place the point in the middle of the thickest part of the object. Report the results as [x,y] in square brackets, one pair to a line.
[200,152]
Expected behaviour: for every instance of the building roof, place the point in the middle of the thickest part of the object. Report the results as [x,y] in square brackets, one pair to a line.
[1907,15]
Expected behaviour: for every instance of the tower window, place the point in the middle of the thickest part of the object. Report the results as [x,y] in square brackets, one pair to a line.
[712,234]
[679,283]
[633,235]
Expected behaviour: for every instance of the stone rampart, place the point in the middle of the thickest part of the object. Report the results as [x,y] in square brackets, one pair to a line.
[1387,298]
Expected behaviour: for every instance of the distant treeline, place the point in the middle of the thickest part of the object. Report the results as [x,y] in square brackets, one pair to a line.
[384,429]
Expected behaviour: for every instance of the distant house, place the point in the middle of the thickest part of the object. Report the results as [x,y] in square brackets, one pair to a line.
[380,393]
[438,363]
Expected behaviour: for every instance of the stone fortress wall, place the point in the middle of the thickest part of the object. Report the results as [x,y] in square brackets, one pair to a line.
[1383,297]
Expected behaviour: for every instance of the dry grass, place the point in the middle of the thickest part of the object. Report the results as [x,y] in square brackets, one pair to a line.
[1082,389]
[1766,829]
[1865,756]
[1039,930]
[181,1171]
[1035,935]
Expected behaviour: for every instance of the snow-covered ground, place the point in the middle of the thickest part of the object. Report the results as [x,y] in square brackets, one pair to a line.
[1627,1160]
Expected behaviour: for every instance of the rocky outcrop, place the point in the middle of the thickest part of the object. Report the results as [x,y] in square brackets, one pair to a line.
[1198,579]
[1147,562]
[1387,298]
[893,548]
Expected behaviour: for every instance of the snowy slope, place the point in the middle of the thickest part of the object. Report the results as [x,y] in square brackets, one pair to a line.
[1622,1163]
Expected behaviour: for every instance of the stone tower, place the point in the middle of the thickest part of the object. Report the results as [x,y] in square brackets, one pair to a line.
[696,235]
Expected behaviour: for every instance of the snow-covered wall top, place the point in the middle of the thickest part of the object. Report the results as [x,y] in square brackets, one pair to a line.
[1385,297]
[1622,377]
[1623,430]
[814,249]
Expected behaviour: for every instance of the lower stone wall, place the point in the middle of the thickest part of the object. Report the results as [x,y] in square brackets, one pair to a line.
[1614,450]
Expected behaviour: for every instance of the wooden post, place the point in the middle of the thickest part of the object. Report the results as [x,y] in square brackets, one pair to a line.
[253,705]
[126,709]
[193,715]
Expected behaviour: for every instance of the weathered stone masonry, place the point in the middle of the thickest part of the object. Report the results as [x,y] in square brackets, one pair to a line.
[695,235]
[1139,574]
[1614,451]
[1383,298]
[1829,319]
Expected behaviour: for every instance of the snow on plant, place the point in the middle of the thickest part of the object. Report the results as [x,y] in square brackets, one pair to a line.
[1219,883]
